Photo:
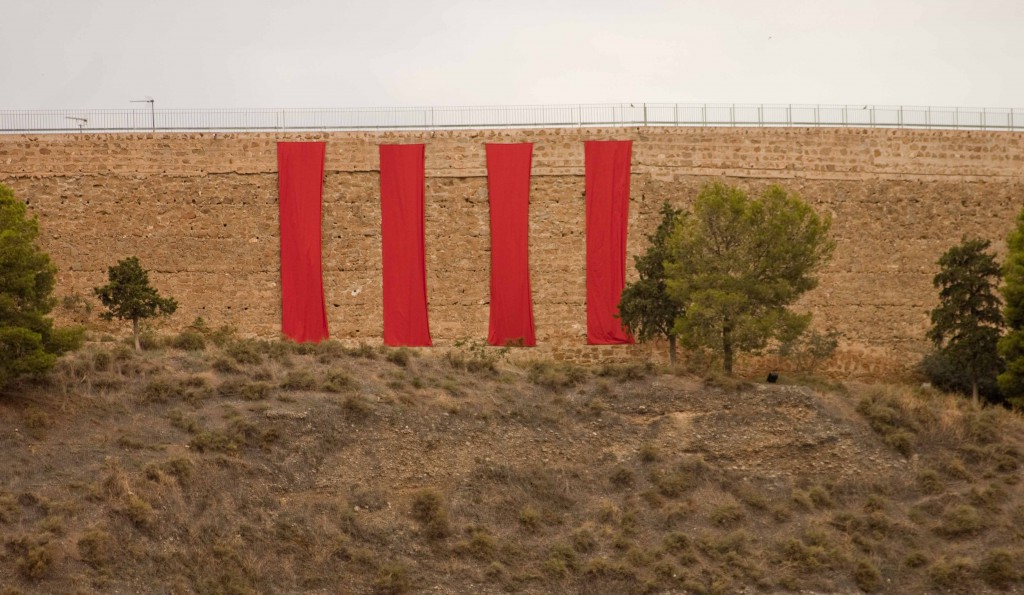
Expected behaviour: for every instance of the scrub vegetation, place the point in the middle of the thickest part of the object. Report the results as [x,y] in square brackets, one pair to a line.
[225,465]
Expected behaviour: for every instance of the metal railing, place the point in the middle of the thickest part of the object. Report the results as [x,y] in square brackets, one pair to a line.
[532,116]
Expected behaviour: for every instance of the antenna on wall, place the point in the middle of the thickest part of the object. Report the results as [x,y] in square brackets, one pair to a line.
[81,122]
[152,110]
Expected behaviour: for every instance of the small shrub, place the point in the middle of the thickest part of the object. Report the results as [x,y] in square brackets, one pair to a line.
[179,468]
[649,453]
[555,376]
[930,482]
[628,371]
[530,519]
[356,407]
[224,365]
[52,524]
[727,514]
[337,381]
[139,512]
[820,497]
[8,508]
[867,577]
[363,350]
[950,574]
[299,380]
[188,340]
[670,483]
[101,361]
[428,508]
[240,388]
[36,559]
[676,542]
[190,389]
[480,544]
[400,357]
[999,568]
[37,421]
[916,559]
[245,352]
[954,467]
[477,356]
[583,540]
[607,576]
[888,418]
[622,477]
[392,579]
[960,520]
[96,548]
[561,561]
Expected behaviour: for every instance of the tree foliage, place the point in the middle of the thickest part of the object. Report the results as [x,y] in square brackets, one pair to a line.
[645,307]
[737,263]
[967,322]
[129,296]
[1011,345]
[29,342]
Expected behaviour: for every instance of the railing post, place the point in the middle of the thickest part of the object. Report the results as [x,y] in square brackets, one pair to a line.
[984,119]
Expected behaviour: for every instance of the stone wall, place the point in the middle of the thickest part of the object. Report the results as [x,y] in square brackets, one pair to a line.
[200,212]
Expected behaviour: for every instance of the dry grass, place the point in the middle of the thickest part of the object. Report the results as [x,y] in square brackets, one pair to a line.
[243,466]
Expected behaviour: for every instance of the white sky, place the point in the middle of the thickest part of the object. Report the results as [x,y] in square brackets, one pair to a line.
[373,53]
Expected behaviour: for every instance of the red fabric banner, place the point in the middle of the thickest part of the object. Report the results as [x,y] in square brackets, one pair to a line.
[405,275]
[607,191]
[508,187]
[300,175]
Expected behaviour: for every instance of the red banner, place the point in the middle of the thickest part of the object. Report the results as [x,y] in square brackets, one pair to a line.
[508,187]
[300,175]
[405,275]
[607,188]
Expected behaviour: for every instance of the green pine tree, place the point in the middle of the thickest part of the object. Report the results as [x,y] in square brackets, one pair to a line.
[129,296]
[967,322]
[737,263]
[645,307]
[1011,345]
[29,342]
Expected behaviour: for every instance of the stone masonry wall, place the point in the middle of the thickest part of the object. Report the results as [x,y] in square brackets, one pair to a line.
[200,211]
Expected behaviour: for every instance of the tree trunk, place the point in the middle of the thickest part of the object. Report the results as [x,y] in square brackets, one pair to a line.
[974,388]
[672,349]
[135,333]
[727,349]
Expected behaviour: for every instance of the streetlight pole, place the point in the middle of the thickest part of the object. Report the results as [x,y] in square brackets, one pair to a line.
[81,122]
[152,110]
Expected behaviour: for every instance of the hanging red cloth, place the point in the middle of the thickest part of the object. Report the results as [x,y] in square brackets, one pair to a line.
[508,188]
[607,193]
[402,242]
[300,174]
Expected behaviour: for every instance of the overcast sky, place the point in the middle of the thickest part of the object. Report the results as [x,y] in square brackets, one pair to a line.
[343,53]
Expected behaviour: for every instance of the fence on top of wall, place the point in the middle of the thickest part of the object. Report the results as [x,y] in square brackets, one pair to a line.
[151,119]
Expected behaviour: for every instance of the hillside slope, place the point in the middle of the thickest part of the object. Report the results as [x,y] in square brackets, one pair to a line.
[259,467]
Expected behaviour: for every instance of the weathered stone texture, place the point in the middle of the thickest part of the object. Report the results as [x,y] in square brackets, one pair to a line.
[200,210]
